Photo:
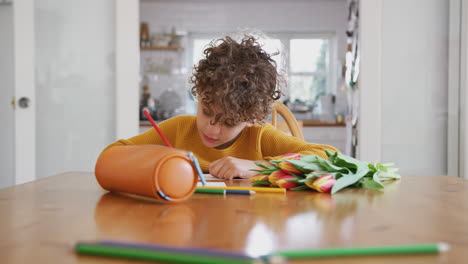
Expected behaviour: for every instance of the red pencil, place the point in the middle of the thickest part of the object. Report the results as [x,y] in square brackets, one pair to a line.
[157,128]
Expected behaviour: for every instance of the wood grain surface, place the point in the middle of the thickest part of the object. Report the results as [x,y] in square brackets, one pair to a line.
[41,221]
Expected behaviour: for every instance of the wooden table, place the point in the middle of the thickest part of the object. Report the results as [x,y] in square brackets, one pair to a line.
[41,221]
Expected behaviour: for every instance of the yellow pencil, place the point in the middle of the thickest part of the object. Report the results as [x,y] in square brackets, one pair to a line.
[257,189]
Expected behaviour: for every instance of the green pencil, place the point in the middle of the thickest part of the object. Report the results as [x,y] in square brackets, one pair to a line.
[148,254]
[364,251]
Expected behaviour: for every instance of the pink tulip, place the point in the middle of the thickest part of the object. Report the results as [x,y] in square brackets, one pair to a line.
[275,176]
[283,183]
[259,177]
[288,168]
[323,184]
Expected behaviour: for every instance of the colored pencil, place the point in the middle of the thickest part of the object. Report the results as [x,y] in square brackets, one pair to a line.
[157,128]
[187,250]
[194,159]
[197,167]
[256,189]
[220,191]
[154,255]
[364,251]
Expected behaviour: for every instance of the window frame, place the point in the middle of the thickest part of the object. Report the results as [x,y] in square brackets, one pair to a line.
[285,38]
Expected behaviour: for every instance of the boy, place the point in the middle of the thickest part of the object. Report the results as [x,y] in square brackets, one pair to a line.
[236,85]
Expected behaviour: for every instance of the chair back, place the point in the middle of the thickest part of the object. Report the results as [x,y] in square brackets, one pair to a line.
[289,118]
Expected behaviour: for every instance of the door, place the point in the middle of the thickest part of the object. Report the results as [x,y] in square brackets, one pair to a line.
[65,58]
[74,82]
[7,176]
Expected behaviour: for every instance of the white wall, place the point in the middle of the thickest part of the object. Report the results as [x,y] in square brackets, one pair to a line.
[7,92]
[75,83]
[415,85]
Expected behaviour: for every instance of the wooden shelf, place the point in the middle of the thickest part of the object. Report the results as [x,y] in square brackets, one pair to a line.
[162,48]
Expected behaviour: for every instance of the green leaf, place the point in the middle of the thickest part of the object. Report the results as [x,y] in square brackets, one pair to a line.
[265,172]
[330,167]
[316,174]
[306,166]
[298,164]
[338,175]
[369,183]
[265,166]
[376,178]
[309,158]
[353,164]
[386,176]
[296,180]
[300,188]
[275,162]
[384,173]
[381,167]
[261,183]
[300,176]
[331,155]
[314,162]
[348,179]
[307,180]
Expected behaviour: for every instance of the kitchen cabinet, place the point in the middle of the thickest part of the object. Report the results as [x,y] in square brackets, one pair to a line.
[330,135]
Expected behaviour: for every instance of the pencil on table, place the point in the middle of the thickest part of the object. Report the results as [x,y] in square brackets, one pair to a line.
[221,191]
[132,252]
[364,251]
[188,250]
[256,189]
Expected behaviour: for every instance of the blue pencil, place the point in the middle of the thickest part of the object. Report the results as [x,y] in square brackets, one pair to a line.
[197,167]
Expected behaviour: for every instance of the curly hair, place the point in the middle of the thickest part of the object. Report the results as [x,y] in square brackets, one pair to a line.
[240,79]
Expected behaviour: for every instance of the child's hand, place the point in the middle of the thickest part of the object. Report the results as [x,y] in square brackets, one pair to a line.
[230,167]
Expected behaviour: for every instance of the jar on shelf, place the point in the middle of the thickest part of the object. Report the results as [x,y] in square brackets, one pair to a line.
[144,35]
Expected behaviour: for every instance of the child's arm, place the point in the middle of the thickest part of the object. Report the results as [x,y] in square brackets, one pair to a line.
[271,143]
[148,137]
[168,127]
[230,167]
[274,143]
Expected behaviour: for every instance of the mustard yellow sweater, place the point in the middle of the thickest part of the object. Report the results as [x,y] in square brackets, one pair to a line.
[255,142]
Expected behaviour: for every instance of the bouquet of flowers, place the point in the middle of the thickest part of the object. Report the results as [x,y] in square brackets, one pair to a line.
[301,172]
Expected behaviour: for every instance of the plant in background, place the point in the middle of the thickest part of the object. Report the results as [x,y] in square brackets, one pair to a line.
[301,172]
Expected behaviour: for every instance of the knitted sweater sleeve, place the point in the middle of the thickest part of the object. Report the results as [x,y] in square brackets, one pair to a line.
[274,142]
[168,127]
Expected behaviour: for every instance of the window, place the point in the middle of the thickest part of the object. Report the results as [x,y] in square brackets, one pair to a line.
[309,60]
[308,69]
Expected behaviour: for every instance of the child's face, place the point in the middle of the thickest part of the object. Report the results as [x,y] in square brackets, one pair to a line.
[219,135]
